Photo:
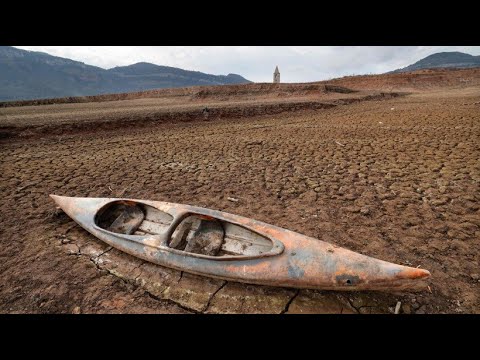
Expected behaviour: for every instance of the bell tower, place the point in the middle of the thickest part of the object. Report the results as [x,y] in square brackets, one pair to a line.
[276,76]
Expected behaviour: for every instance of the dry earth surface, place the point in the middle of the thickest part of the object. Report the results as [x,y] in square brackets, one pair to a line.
[393,177]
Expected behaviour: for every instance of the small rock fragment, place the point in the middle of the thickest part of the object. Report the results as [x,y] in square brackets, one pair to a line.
[232,199]
[406,309]
[72,249]
[358,303]
[397,308]
[352,209]
[365,211]
[421,310]
[76,310]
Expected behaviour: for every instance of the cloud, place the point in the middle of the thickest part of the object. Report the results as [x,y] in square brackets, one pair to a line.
[256,63]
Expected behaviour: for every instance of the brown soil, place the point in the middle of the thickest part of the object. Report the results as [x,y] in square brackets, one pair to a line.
[254,91]
[396,178]
[428,79]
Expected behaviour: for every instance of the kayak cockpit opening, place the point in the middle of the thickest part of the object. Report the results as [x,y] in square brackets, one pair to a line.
[209,236]
[131,218]
[197,234]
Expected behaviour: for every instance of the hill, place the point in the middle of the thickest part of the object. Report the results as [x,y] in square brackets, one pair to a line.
[443,60]
[35,75]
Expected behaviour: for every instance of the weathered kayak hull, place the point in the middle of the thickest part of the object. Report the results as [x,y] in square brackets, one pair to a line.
[295,260]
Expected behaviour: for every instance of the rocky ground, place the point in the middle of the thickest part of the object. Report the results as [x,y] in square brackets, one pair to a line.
[393,178]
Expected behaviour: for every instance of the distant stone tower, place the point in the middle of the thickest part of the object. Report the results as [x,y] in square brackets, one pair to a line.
[276,76]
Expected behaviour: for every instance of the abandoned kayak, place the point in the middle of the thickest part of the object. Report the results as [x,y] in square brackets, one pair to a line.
[231,247]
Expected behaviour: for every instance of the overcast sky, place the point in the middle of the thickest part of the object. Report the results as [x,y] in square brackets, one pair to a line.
[256,63]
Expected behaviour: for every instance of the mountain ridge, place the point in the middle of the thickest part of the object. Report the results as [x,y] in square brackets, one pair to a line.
[446,59]
[29,75]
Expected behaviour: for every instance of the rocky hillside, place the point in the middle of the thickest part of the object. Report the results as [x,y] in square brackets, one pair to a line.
[35,75]
[444,60]
[419,80]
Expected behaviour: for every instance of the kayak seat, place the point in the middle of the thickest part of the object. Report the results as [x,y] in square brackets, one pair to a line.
[129,218]
[120,217]
[207,239]
[199,236]
[128,221]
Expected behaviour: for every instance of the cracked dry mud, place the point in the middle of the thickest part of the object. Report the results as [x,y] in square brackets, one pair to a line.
[396,179]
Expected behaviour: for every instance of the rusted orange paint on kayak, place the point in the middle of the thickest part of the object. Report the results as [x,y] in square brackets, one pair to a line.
[295,260]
